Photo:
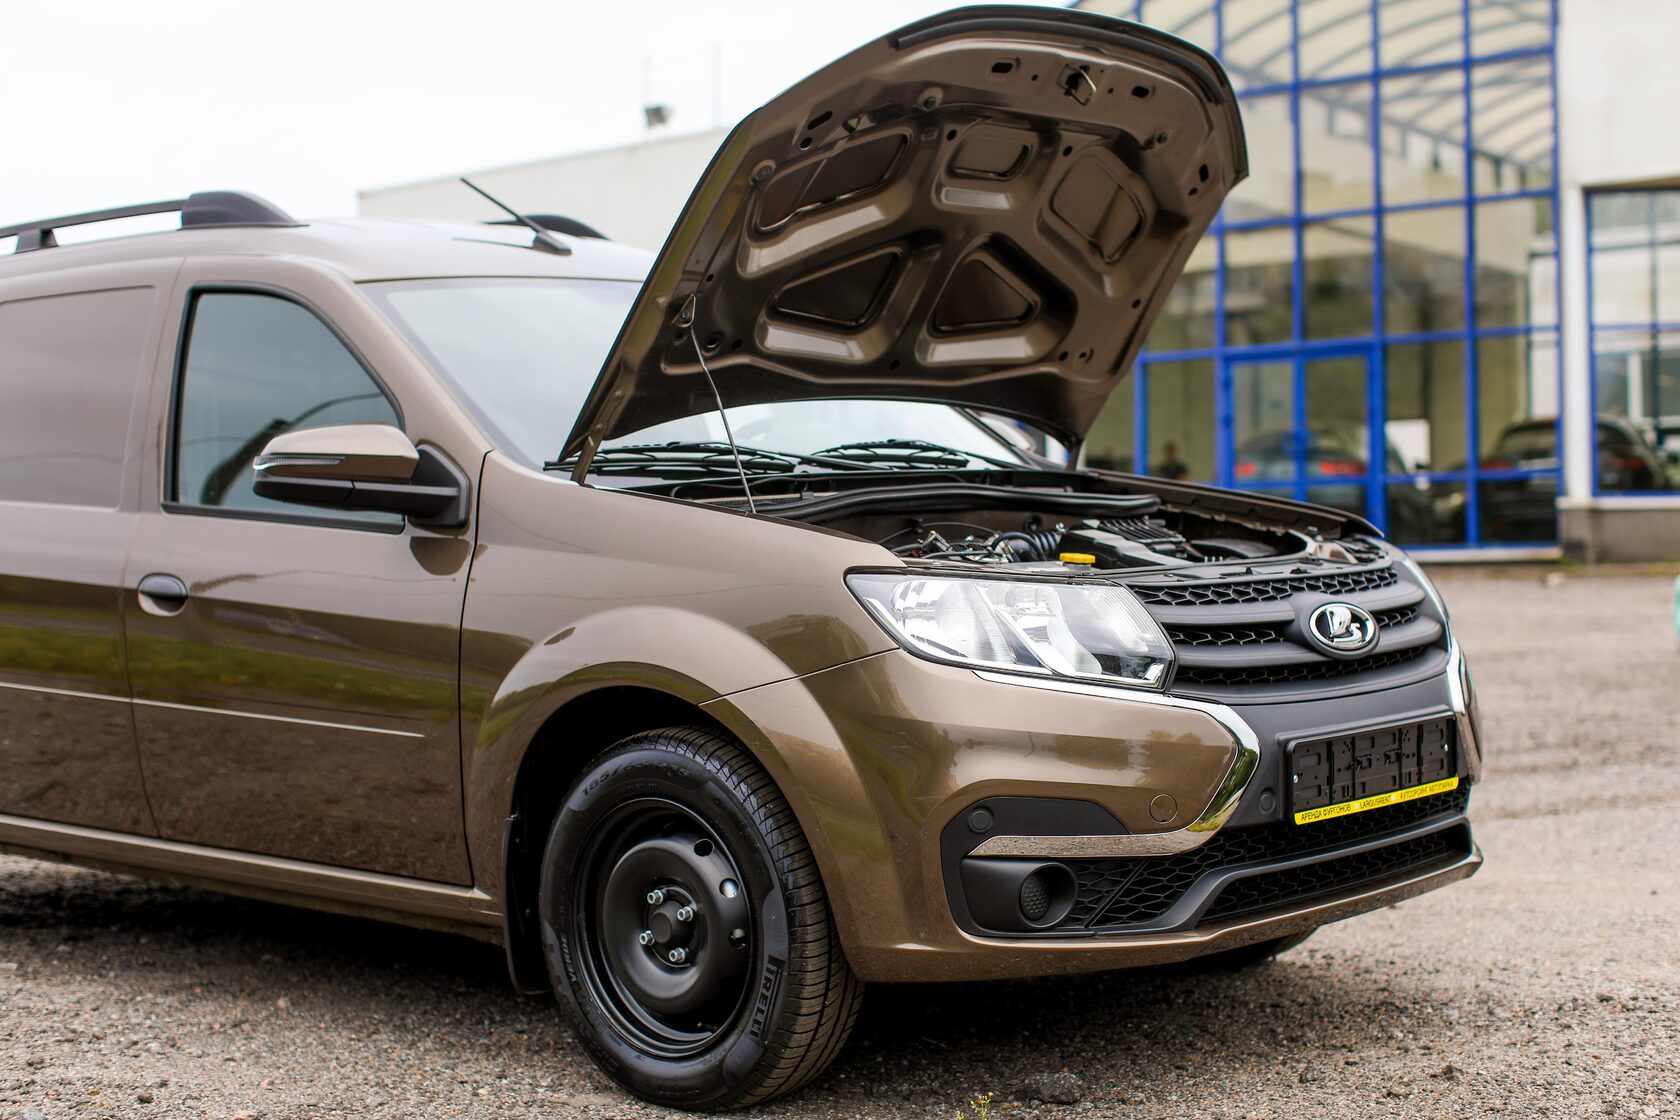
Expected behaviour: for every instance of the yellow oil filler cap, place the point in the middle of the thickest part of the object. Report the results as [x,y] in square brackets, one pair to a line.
[1077,558]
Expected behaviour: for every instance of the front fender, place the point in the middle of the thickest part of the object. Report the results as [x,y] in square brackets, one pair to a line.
[575,589]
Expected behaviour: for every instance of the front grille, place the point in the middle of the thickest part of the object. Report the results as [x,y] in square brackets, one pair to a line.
[1113,893]
[1244,676]
[1243,636]
[1292,885]
[1262,590]
[1261,633]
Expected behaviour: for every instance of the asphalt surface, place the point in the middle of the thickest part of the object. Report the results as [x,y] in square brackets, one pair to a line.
[1548,985]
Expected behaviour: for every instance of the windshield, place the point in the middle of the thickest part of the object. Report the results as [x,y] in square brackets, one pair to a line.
[521,354]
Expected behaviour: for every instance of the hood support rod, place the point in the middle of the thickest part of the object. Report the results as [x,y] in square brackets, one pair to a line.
[686,316]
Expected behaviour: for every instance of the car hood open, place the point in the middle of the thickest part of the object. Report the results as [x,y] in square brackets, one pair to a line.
[985,208]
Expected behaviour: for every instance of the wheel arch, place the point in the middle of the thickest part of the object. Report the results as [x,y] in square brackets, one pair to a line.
[573,734]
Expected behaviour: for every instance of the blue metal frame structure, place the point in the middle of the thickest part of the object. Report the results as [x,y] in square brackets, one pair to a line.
[1375,82]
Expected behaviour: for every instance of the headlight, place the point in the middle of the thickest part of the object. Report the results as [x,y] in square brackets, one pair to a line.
[1082,630]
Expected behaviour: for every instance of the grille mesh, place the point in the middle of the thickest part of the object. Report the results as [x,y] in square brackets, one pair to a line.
[1035,898]
[1260,633]
[1141,890]
[1298,884]
[1217,676]
[1262,590]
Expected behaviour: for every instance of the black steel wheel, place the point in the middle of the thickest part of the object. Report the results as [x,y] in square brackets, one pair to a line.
[686,930]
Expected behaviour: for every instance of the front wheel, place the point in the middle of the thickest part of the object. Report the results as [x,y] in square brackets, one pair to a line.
[687,933]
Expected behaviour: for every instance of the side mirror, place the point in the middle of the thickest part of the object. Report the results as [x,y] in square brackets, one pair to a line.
[362,467]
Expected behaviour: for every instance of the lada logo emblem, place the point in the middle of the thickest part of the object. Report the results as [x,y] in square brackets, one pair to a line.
[1342,628]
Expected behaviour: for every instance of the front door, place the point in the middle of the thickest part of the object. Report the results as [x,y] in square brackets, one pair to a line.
[1301,428]
[294,670]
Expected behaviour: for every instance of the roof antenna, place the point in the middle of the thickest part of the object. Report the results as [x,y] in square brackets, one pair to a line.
[685,317]
[545,240]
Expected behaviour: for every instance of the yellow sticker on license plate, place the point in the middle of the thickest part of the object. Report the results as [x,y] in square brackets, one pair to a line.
[1393,797]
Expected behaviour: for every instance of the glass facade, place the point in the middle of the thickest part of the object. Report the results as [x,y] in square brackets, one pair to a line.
[1634,240]
[1372,322]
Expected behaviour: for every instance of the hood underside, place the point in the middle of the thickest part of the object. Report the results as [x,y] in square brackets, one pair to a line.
[986,208]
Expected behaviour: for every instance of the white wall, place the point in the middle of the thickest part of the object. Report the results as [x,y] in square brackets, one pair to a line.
[1618,88]
[632,194]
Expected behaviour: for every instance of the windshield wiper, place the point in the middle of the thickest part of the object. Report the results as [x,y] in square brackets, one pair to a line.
[911,452]
[698,457]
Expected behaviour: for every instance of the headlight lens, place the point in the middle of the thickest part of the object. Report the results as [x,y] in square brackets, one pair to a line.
[1087,631]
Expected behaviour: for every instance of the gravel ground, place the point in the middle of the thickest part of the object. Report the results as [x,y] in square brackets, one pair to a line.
[1547,985]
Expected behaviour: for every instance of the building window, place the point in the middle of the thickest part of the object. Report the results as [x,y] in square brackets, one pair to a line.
[1372,322]
[1635,276]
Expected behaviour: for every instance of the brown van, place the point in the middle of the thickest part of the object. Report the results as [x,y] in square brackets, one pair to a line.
[722,631]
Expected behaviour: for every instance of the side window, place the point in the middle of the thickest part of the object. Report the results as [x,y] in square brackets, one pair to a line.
[256,366]
[69,366]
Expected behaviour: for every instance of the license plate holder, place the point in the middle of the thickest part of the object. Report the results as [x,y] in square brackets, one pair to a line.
[1361,770]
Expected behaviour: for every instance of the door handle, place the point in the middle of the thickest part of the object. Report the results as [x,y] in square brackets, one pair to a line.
[162,594]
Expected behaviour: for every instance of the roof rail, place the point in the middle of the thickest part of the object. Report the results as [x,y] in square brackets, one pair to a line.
[201,210]
[557,223]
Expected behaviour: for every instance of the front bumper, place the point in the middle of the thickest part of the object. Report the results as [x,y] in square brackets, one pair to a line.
[886,759]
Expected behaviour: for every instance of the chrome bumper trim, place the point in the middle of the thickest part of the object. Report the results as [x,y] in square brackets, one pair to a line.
[1188,838]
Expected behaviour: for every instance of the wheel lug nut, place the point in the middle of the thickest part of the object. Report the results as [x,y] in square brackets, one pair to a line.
[686,914]
[677,955]
[645,937]
[655,897]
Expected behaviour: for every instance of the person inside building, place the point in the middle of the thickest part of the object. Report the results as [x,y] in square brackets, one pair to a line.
[1171,466]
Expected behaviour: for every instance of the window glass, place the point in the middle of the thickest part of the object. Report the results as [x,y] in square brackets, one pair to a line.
[1416,32]
[1186,321]
[1636,358]
[1257,42]
[1268,192]
[1181,421]
[1190,20]
[806,427]
[1423,265]
[1426,432]
[258,366]
[68,370]
[1336,148]
[1423,136]
[1516,265]
[1509,25]
[1638,407]
[1335,38]
[1511,125]
[1108,446]
[1337,271]
[1335,448]
[520,354]
[1259,286]
[1516,385]
[1263,424]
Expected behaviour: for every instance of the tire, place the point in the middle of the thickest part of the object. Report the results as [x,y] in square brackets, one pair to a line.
[763,998]
[1252,956]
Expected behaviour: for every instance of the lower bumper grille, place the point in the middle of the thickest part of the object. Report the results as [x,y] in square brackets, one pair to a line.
[1288,887]
[1115,894]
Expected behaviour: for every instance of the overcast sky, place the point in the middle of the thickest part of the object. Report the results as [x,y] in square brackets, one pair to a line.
[107,103]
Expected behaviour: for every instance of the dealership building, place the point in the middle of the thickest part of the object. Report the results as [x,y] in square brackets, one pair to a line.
[1451,259]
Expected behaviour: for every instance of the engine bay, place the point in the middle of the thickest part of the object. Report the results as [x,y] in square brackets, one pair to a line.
[1029,529]
[1101,543]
